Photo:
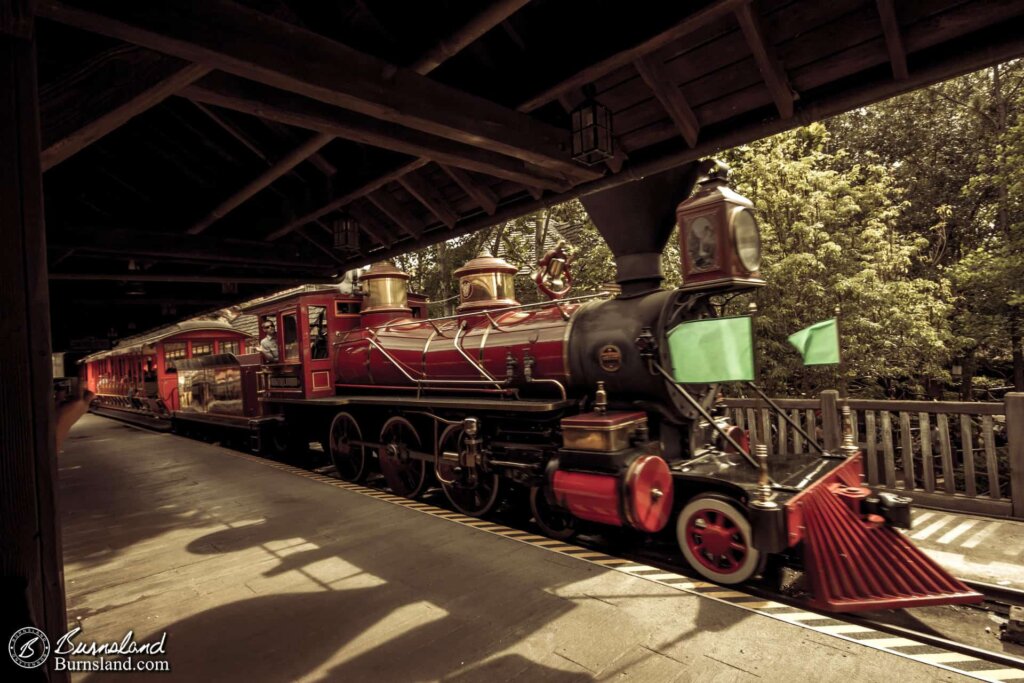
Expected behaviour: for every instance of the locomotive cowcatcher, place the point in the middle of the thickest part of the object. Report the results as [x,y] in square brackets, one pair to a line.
[572,402]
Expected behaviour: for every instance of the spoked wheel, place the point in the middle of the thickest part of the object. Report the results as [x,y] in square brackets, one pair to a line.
[348,458]
[405,475]
[715,538]
[472,491]
[555,523]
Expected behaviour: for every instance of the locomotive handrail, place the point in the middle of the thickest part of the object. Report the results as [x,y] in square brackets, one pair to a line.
[418,382]
[479,368]
[487,311]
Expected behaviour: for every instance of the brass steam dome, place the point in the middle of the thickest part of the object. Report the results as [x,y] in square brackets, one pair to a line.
[386,289]
[486,282]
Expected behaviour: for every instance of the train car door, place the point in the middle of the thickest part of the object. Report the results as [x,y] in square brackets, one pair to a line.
[319,381]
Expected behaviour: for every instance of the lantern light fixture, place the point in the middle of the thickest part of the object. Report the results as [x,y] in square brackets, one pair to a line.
[346,234]
[591,132]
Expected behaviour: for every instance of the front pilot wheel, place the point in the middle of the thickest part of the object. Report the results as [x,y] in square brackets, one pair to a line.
[716,540]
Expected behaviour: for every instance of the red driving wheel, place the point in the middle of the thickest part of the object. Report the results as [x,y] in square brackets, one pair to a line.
[715,538]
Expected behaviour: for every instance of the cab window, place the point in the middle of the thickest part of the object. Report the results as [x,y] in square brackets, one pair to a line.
[317,332]
[291,337]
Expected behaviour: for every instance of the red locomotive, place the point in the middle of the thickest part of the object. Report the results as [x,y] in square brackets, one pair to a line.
[573,401]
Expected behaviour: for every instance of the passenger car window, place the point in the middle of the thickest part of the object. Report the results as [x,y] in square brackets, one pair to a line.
[174,351]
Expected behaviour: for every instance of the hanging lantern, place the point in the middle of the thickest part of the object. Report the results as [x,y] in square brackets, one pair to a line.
[591,132]
[346,234]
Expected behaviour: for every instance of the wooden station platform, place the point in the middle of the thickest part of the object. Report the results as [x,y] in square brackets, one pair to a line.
[256,573]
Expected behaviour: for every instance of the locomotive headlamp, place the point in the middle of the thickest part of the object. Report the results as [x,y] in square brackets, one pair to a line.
[719,239]
[747,237]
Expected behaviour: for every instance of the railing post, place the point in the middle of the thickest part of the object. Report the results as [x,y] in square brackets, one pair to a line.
[1015,438]
[831,432]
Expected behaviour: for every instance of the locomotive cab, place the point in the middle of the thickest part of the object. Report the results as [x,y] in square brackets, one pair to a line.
[297,328]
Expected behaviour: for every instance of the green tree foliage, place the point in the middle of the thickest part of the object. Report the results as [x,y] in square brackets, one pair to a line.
[907,215]
[831,240]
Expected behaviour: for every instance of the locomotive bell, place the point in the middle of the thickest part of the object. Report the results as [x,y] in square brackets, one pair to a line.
[719,239]
[486,282]
[554,273]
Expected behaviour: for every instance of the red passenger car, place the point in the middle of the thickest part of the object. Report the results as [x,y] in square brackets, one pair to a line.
[139,376]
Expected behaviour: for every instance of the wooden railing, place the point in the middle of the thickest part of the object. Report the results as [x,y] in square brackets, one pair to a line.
[965,457]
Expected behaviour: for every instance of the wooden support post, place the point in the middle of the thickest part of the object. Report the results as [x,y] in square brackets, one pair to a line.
[31,566]
[831,431]
[1015,438]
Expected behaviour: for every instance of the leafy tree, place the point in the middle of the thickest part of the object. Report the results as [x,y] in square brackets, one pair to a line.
[831,240]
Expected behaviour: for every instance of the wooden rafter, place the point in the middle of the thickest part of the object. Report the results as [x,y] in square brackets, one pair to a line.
[767,61]
[394,210]
[278,169]
[427,195]
[179,277]
[347,198]
[232,130]
[304,234]
[478,192]
[652,71]
[453,44]
[893,39]
[104,94]
[442,51]
[232,38]
[369,224]
[295,110]
[172,246]
[317,159]
[686,26]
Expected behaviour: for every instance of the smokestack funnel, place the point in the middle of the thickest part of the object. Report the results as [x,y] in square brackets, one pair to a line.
[636,219]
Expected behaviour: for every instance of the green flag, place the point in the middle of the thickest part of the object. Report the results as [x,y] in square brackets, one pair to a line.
[819,343]
[712,350]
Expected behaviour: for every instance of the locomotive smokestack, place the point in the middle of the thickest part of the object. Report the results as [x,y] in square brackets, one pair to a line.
[636,220]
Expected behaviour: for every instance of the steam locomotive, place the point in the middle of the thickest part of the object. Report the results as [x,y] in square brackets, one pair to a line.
[572,401]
